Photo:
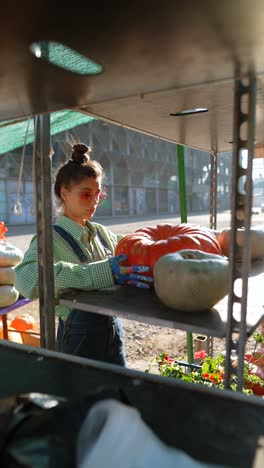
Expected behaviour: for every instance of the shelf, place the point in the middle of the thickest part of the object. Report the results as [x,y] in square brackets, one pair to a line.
[156,61]
[19,303]
[151,114]
[144,306]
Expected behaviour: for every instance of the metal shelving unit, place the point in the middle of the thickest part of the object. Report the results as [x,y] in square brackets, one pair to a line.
[227,87]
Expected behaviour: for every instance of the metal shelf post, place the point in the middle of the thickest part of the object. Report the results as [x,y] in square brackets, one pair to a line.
[183,210]
[245,96]
[43,204]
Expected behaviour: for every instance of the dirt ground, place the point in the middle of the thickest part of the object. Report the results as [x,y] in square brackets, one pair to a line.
[143,341]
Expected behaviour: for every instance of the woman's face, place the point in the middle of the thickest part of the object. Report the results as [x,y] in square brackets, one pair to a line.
[81,200]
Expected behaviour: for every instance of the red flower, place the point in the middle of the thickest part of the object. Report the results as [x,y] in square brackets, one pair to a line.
[215,378]
[3,229]
[200,354]
[167,358]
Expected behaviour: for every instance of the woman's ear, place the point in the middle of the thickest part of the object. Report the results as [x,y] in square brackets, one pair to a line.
[63,193]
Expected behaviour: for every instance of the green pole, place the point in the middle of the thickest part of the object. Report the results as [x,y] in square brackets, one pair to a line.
[183,211]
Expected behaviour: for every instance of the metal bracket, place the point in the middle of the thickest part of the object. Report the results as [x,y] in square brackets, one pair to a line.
[213,218]
[241,204]
[213,191]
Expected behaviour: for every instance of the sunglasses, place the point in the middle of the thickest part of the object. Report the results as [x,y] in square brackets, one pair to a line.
[89,197]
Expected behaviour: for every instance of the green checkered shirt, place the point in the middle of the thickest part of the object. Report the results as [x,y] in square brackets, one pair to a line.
[68,272]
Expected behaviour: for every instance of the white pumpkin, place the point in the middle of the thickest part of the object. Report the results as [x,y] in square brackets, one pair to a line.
[191,280]
[9,254]
[8,295]
[7,275]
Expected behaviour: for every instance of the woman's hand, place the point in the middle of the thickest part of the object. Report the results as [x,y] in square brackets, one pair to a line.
[132,275]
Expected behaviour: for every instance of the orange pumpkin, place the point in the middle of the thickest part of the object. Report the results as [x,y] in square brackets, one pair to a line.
[145,246]
[256,241]
[13,335]
[24,322]
[32,340]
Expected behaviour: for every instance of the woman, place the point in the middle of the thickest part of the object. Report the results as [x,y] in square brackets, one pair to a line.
[83,259]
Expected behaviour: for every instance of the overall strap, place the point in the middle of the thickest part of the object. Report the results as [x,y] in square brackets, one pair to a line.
[104,243]
[72,242]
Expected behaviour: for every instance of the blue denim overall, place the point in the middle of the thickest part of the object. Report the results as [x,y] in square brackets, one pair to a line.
[87,334]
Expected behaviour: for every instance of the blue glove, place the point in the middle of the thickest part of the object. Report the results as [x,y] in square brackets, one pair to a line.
[129,275]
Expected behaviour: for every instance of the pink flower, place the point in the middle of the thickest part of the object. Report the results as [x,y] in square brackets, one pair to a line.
[200,354]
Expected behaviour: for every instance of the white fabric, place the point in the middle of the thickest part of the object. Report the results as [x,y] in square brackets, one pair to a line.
[113,435]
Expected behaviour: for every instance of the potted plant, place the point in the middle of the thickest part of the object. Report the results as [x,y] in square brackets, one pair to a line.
[209,370]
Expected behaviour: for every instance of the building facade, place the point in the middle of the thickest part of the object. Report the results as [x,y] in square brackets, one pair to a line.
[141,174]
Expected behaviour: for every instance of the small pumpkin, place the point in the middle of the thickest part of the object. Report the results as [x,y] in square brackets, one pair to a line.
[7,275]
[8,295]
[256,241]
[24,322]
[9,254]
[31,340]
[13,335]
[191,280]
[146,245]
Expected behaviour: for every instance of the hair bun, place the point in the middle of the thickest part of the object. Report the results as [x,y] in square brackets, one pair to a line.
[80,153]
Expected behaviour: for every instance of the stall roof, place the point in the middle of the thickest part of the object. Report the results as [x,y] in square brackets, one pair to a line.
[12,133]
[157,58]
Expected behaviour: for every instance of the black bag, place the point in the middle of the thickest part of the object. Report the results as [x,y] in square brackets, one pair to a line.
[40,431]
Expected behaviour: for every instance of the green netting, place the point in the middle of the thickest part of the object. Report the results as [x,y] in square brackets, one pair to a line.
[65,57]
[12,133]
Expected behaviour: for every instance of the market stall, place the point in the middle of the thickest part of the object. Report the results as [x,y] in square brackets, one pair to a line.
[189,73]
